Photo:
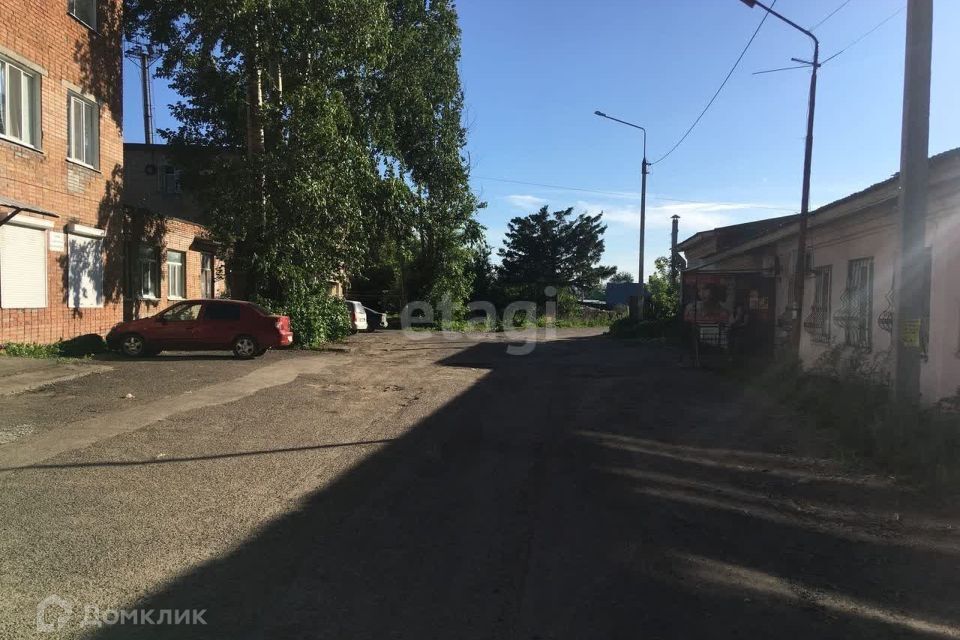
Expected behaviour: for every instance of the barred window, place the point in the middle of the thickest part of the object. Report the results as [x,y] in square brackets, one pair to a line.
[818,322]
[859,296]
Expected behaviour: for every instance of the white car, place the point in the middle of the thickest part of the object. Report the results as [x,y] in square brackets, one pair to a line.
[358,317]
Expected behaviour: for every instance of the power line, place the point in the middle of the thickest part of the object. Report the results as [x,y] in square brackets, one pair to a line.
[857,41]
[832,13]
[799,66]
[722,85]
[807,66]
[628,194]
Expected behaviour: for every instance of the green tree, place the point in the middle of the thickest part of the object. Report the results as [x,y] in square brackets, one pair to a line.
[621,276]
[553,249]
[663,291]
[324,138]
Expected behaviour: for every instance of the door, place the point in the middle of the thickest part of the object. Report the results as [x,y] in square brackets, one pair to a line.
[220,323]
[176,328]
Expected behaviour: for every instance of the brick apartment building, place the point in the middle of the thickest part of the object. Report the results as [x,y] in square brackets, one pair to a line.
[167,253]
[88,236]
[61,153]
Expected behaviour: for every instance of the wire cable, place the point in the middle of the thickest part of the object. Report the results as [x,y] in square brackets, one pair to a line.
[857,41]
[807,66]
[722,85]
[832,13]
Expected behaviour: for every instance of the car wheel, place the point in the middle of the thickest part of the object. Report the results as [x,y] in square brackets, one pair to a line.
[133,345]
[245,347]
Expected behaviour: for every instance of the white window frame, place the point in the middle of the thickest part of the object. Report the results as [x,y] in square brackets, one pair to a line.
[93,117]
[147,255]
[177,273]
[207,275]
[29,103]
[72,10]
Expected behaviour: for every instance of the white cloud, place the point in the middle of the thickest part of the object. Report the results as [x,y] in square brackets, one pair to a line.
[526,203]
[694,216]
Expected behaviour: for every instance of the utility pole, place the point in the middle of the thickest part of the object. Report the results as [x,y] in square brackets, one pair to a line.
[912,283]
[143,55]
[674,239]
[644,170]
[147,97]
[800,275]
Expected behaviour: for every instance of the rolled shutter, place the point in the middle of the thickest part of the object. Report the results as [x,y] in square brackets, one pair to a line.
[23,267]
[86,272]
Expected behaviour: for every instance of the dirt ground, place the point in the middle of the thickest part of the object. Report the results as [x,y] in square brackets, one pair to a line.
[443,488]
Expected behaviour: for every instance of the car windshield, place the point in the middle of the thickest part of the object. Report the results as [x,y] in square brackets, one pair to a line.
[181,312]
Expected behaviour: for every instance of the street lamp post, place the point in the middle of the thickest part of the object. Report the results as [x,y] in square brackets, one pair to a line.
[801,267]
[644,170]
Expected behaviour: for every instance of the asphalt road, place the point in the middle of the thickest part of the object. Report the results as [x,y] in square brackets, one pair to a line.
[442,488]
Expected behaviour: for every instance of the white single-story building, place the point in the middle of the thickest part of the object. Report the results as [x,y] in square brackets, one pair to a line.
[743,274]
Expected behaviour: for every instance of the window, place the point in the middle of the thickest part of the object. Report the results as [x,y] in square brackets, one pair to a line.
[222,312]
[85,11]
[23,267]
[176,282]
[859,301]
[84,131]
[818,322]
[170,180]
[206,275]
[19,104]
[183,312]
[85,255]
[149,272]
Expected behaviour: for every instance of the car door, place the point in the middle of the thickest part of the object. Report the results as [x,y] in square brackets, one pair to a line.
[176,327]
[219,324]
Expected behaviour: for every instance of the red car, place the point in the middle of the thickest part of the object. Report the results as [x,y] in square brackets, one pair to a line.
[245,328]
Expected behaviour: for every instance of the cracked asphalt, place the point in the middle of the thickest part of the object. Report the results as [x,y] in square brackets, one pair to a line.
[441,488]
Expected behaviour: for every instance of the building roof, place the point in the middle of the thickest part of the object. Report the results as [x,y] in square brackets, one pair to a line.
[736,233]
[760,228]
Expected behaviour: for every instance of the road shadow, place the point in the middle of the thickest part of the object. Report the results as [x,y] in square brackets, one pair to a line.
[586,490]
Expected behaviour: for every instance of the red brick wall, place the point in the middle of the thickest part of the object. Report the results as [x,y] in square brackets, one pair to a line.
[181,235]
[73,57]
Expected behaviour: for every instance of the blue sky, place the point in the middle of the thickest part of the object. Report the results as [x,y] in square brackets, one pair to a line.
[534,71]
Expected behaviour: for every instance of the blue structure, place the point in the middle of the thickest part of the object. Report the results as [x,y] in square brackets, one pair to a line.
[618,293]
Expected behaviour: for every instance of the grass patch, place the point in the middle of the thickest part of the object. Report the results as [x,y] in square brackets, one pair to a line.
[849,397]
[79,347]
[31,350]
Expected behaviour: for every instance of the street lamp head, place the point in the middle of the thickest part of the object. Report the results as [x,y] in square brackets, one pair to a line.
[600,113]
[749,3]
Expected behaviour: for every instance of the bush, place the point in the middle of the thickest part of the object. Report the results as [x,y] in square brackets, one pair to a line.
[315,316]
[848,394]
